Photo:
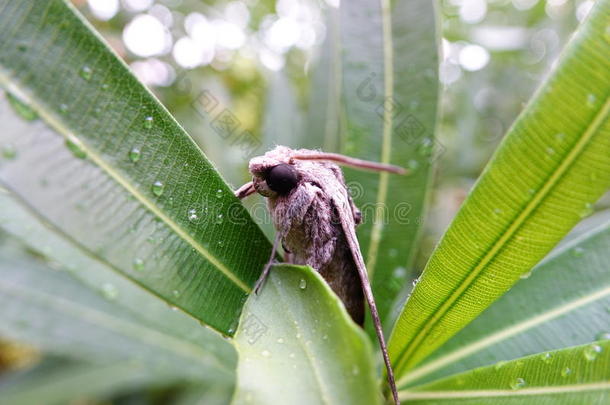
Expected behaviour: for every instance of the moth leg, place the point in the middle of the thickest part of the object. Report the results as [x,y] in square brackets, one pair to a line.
[288,258]
[271,262]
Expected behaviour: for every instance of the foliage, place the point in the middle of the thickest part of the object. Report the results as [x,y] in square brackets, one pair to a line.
[126,260]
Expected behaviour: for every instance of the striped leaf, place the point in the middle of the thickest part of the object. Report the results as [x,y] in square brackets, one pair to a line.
[551,167]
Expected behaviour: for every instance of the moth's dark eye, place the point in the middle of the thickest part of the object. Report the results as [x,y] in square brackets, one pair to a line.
[282,178]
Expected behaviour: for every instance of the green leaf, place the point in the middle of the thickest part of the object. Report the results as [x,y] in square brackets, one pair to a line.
[577,375]
[48,309]
[129,297]
[551,167]
[564,302]
[297,345]
[112,170]
[323,115]
[59,382]
[390,93]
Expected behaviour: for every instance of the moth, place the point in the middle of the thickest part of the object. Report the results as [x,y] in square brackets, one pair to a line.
[315,219]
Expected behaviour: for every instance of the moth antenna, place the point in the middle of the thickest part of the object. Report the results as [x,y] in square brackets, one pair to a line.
[245,190]
[350,161]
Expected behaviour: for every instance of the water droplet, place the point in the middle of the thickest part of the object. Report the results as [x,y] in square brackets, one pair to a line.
[603,336]
[412,165]
[303,284]
[266,353]
[219,193]
[399,272]
[9,151]
[109,291]
[550,151]
[86,72]
[591,100]
[176,293]
[518,383]
[587,210]
[546,357]
[566,371]
[499,365]
[280,340]
[138,264]
[525,275]
[76,147]
[134,154]
[193,216]
[221,243]
[21,107]
[219,219]
[578,251]
[148,122]
[174,308]
[592,351]
[63,108]
[158,188]
[426,147]
[497,211]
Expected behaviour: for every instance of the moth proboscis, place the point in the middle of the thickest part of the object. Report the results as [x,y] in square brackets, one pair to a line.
[315,218]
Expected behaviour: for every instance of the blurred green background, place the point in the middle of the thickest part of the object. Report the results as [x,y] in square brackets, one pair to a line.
[252,56]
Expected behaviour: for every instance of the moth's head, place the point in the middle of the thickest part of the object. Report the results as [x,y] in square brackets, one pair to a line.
[275,173]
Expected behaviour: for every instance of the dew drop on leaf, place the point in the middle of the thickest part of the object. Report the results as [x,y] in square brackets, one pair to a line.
[74,146]
[134,154]
[566,371]
[525,275]
[193,216]
[63,108]
[266,353]
[412,165]
[518,383]
[219,193]
[219,219]
[176,293]
[158,188]
[303,284]
[138,264]
[546,358]
[603,336]
[591,100]
[592,351]
[148,122]
[587,210]
[86,72]
[578,251]
[21,107]
[9,152]
[109,291]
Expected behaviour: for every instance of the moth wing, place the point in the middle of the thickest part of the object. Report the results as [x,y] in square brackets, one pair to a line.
[342,204]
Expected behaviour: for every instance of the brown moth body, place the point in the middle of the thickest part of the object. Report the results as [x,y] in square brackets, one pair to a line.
[316,219]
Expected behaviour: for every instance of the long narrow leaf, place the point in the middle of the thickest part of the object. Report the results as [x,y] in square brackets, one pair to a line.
[129,297]
[52,311]
[564,302]
[549,170]
[578,375]
[109,167]
[389,87]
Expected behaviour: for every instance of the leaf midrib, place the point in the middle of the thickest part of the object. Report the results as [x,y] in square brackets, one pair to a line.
[93,156]
[539,197]
[386,145]
[561,389]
